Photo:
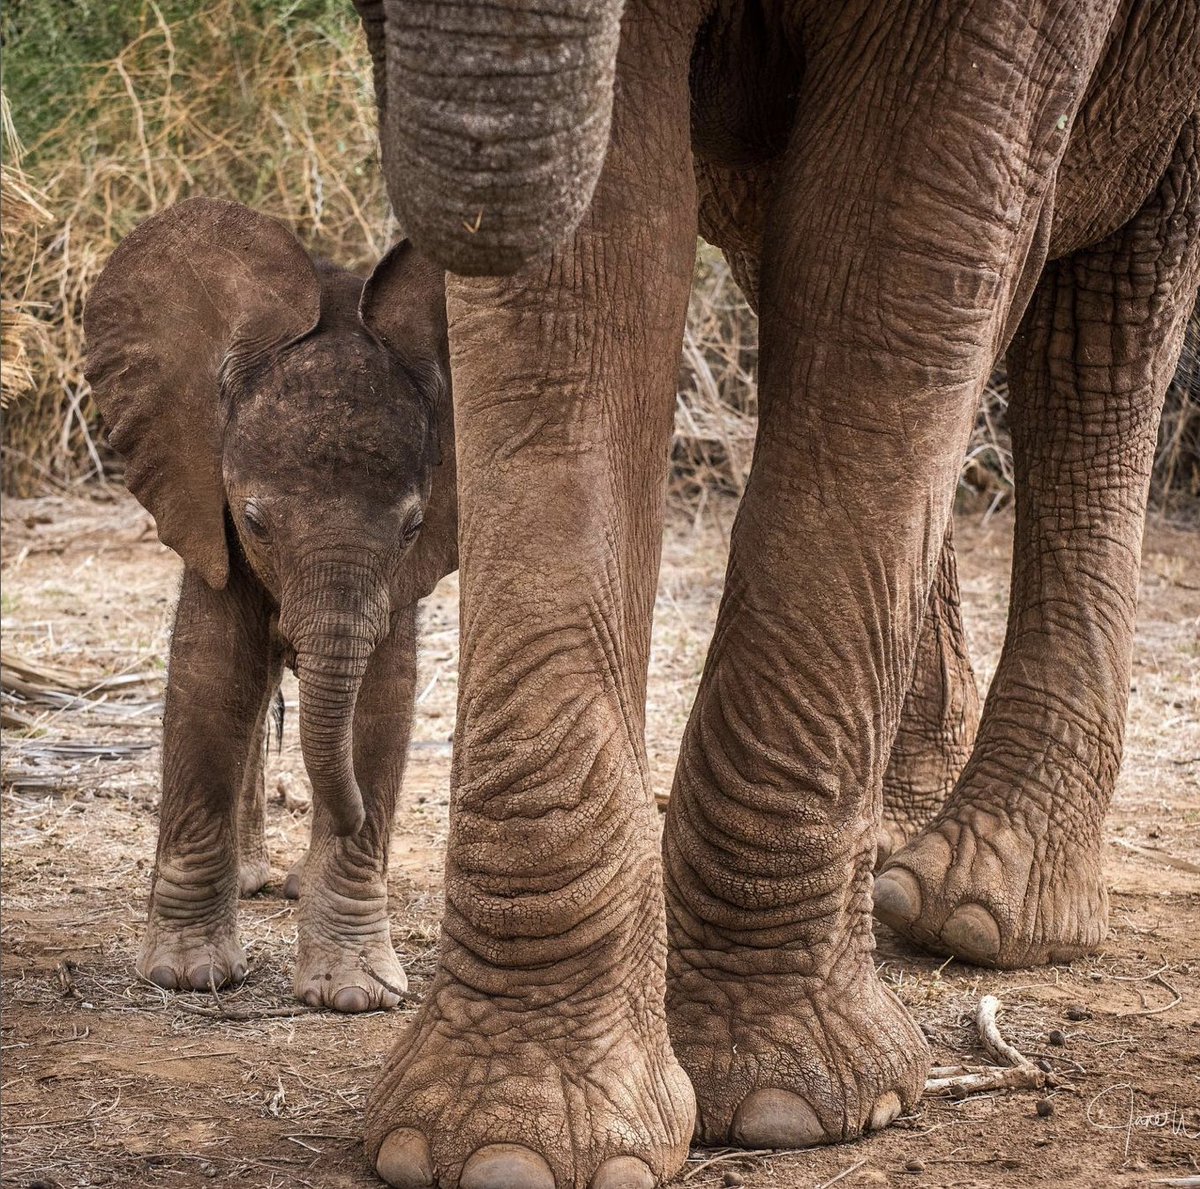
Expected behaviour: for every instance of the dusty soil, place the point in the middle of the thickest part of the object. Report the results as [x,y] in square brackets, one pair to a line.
[107,1081]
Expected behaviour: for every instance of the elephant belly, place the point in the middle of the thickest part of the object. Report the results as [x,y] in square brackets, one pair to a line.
[1147,82]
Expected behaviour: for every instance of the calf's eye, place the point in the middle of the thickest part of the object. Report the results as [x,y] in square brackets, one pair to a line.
[411,529]
[256,521]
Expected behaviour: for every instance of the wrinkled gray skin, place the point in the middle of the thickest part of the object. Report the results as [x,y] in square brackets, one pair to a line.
[281,422]
[907,190]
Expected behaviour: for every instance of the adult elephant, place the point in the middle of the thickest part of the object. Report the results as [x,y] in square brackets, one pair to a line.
[906,190]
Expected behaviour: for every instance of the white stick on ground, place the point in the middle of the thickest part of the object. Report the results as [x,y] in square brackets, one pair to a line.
[1016,1071]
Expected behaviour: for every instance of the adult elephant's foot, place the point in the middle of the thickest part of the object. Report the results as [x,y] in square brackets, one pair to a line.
[253,874]
[997,888]
[291,882]
[893,834]
[350,974]
[485,1093]
[784,1061]
[344,959]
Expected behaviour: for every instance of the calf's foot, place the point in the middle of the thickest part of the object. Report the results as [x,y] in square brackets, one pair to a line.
[997,888]
[345,960]
[483,1093]
[191,943]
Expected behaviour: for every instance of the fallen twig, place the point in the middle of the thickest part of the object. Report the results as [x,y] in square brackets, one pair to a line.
[844,1173]
[402,995]
[246,1013]
[989,1033]
[1154,1011]
[1014,1071]
[983,1078]
[1162,857]
[723,1157]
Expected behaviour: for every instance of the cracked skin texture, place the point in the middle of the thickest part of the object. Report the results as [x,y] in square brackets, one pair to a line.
[913,189]
[291,468]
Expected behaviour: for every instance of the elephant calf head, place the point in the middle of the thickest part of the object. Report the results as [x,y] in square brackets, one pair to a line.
[288,419]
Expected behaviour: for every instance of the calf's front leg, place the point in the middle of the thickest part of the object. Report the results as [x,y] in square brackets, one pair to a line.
[345,959]
[218,682]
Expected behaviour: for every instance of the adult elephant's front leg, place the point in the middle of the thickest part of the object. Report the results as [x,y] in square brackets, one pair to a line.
[540,1056]
[885,290]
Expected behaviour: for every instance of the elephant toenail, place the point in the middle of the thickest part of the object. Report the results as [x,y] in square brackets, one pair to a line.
[291,887]
[623,1172]
[163,976]
[404,1160]
[776,1119]
[971,933]
[887,1108]
[203,978]
[351,999]
[312,997]
[897,896]
[505,1166]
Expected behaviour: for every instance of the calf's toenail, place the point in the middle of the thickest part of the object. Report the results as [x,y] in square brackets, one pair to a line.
[404,1160]
[971,932]
[505,1166]
[163,976]
[623,1172]
[776,1119]
[291,888]
[887,1108]
[351,999]
[897,896]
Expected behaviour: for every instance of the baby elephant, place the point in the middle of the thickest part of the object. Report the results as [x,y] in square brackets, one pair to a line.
[289,428]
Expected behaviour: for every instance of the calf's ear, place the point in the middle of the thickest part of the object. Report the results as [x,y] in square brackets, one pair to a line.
[403,304]
[204,282]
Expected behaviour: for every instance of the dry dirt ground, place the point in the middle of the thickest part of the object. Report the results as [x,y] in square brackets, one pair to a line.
[107,1081]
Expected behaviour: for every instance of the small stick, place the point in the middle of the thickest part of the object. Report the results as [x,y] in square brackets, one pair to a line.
[1154,1011]
[1016,1071]
[989,1032]
[1015,1077]
[246,1013]
[403,996]
[735,1154]
[844,1173]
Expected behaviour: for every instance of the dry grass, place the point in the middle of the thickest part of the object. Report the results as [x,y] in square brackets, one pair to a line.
[227,102]
[242,99]
[22,331]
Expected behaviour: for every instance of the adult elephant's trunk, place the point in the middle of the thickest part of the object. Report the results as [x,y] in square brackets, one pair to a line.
[334,622]
[494,120]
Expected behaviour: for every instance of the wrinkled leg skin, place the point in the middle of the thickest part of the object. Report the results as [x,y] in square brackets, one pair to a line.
[774,1005]
[345,959]
[939,719]
[218,684]
[254,864]
[540,1056]
[1009,873]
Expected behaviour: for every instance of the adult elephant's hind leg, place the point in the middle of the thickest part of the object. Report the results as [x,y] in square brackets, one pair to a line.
[937,725]
[540,1057]
[1010,872]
